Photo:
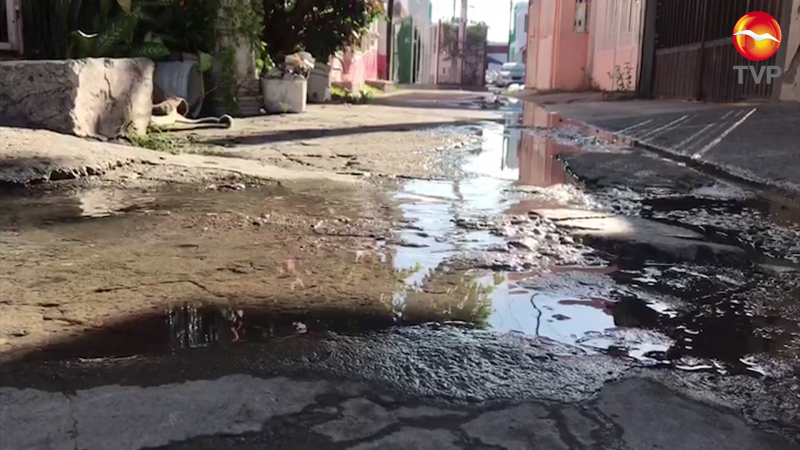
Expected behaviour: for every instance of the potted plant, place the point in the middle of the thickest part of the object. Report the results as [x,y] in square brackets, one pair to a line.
[322,28]
[285,87]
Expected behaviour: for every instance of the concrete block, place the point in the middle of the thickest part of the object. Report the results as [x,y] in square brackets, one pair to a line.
[95,97]
[284,95]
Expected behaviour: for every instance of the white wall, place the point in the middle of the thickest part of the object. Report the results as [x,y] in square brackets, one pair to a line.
[420,12]
[521,24]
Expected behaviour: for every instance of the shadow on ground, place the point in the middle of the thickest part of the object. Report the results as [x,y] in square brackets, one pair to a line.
[314,133]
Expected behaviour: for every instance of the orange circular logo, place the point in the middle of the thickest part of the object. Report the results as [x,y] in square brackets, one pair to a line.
[757,36]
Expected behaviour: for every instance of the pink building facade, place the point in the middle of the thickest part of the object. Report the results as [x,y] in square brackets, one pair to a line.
[352,69]
[576,45]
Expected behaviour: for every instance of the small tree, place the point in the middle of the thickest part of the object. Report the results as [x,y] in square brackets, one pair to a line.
[450,40]
[320,27]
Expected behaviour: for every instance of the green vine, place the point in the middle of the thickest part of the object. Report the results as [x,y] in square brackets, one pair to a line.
[237,21]
[475,39]
[228,82]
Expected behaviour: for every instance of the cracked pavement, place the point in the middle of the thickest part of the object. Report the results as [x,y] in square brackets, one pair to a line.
[245,412]
[630,303]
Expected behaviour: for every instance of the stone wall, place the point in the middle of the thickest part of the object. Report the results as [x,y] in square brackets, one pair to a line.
[87,97]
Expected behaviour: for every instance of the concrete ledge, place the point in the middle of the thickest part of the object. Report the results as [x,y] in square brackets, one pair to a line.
[87,97]
[441,87]
[381,85]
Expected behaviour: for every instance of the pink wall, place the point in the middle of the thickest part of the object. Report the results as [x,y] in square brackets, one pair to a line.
[351,69]
[532,46]
[383,67]
[545,42]
[572,51]
[354,68]
[559,55]
[561,59]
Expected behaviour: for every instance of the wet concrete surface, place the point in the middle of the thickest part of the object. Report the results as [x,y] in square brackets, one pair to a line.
[562,290]
[755,141]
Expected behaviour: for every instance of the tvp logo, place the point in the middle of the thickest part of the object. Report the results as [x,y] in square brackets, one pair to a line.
[757,36]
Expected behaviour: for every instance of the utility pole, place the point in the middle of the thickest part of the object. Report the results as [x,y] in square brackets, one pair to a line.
[510,26]
[390,41]
[462,40]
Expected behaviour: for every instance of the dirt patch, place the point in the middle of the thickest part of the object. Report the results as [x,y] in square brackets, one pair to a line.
[287,250]
[271,215]
[336,142]
[375,140]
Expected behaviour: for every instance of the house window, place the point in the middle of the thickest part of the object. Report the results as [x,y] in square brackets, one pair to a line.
[581,16]
[9,33]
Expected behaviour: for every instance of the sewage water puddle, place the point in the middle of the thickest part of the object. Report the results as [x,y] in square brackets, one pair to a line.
[455,222]
[564,291]
[506,248]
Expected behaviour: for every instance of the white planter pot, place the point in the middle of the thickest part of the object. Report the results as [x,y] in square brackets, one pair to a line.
[319,83]
[284,96]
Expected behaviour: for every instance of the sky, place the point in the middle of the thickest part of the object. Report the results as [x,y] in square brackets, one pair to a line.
[494,12]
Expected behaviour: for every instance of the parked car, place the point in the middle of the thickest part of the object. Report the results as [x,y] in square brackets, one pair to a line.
[511,73]
[491,77]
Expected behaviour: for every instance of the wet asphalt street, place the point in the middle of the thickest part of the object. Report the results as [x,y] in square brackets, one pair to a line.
[563,291]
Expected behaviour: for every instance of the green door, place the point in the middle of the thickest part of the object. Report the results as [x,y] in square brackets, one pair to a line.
[404,55]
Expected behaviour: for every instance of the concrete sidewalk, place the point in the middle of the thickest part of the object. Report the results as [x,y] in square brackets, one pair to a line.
[756,141]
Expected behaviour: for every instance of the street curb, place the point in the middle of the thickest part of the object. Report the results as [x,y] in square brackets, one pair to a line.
[706,167]
[712,169]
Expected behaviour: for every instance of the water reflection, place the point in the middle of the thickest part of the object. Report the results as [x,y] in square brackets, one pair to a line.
[580,306]
[445,296]
[436,286]
[425,273]
[511,145]
[594,319]
[195,325]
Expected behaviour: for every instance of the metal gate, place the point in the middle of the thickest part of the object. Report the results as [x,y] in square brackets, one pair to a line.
[694,52]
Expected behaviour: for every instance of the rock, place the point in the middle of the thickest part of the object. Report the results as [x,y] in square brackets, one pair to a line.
[95,97]
[524,244]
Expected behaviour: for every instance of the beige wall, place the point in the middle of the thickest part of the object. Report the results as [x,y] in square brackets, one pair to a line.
[616,27]
[561,59]
[790,89]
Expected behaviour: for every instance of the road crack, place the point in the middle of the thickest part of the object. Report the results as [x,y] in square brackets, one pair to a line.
[160,283]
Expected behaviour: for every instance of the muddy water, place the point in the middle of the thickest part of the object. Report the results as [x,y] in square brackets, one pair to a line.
[565,295]
[504,247]
[700,279]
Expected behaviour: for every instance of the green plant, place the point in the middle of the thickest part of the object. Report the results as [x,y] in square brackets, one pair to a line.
[285,108]
[345,96]
[367,94]
[45,27]
[264,62]
[235,22]
[320,27]
[119,33]
[156,139]
[475,38]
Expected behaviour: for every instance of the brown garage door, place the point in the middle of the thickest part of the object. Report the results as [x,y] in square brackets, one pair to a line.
[694,52]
